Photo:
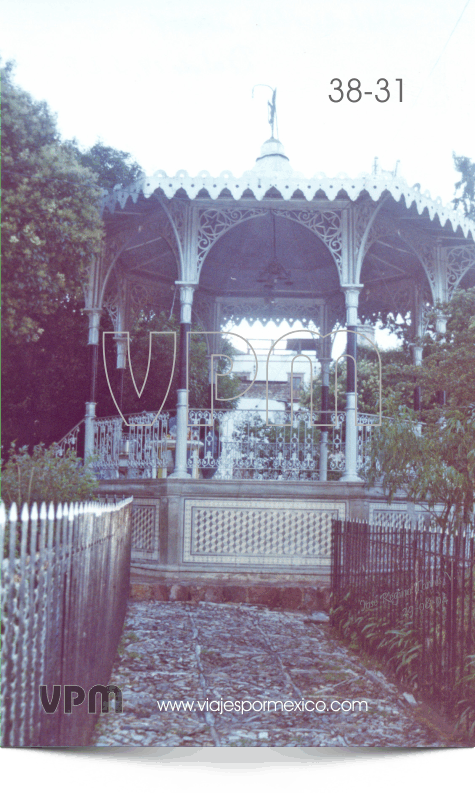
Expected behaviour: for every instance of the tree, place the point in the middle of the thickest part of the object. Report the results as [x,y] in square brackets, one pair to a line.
[161,366]
[112,166]
[435,465]
[367,381]
[466,185]
[51,225]
[50,229]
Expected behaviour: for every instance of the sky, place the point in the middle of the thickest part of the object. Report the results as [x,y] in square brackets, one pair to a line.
[171,83]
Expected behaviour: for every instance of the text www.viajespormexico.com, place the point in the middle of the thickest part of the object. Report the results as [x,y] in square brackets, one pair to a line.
[244,706]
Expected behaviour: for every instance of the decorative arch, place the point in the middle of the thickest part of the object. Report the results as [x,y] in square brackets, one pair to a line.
[214,223]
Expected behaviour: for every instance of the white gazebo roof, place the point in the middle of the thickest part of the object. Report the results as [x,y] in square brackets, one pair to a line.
[273,172]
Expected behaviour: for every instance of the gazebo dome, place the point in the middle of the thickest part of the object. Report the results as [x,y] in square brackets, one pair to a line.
[272,159]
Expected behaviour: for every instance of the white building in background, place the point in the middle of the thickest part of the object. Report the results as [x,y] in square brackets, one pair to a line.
[285,371]
[290,367]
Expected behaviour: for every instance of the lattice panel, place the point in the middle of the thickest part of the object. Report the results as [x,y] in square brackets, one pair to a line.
[389,516]
[259,531]
[145,538]
[398,514]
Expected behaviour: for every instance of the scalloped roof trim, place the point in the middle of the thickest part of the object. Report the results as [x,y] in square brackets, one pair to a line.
[287,186]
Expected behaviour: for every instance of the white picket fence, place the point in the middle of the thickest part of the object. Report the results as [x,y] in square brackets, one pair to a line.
[64,589]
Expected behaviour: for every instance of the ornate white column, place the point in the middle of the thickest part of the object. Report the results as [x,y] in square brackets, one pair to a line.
[350,474]
[325,418]
[441,328]
[417,355]
[186,302]
[93,342]
[325,349]
[441,323]
[417,361]
[120,339]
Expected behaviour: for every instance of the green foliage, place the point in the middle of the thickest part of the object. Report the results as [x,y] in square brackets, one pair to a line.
[113,167]
[161,367]
[368,381]
[434,463]
[45,477]
[50,217]
[449,361]
[465,185]
[45,382]
[397,645]
[50,229]
[466,705]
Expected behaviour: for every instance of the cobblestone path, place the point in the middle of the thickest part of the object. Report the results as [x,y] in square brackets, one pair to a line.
[178,651]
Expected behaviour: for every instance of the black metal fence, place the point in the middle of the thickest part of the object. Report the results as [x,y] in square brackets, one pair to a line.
[407,595]
[64,589]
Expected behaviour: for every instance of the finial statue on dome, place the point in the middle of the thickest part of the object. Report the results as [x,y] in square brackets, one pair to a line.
[272,119]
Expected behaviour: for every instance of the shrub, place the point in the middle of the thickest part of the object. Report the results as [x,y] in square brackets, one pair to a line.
[45,476]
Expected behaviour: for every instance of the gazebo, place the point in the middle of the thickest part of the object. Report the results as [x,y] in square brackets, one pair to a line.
[271,245]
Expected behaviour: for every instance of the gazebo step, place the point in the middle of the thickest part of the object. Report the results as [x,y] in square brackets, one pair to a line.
[272,594]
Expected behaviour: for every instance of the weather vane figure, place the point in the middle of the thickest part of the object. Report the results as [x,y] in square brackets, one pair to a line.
[272,119]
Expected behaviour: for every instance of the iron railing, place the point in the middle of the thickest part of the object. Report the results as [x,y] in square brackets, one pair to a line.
[273,445]
[72,441]
[138,449]
[64,589]
[223,444]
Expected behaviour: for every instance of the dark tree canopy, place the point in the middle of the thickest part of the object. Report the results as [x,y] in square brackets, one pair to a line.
[50,229]
[111,166]
[51,225]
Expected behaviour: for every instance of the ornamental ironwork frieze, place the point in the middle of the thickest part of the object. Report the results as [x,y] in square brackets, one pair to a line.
[291,311]
[460,259]
[213,223]
[325,225]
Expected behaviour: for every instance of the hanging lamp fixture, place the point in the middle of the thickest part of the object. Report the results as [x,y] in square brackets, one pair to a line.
[274,274]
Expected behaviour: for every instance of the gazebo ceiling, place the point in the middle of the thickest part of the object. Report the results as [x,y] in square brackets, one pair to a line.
[150,257]
[243,262]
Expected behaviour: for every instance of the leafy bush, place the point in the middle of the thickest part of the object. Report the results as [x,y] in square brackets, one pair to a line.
[45,477]
[397,644]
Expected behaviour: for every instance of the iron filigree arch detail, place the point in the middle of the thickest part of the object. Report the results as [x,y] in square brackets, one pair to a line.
[459,259]
[106,264]
[214,223]
[326,225]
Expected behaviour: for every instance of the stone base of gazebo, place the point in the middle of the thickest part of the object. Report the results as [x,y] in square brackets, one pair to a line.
[274,591]
[238,533]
